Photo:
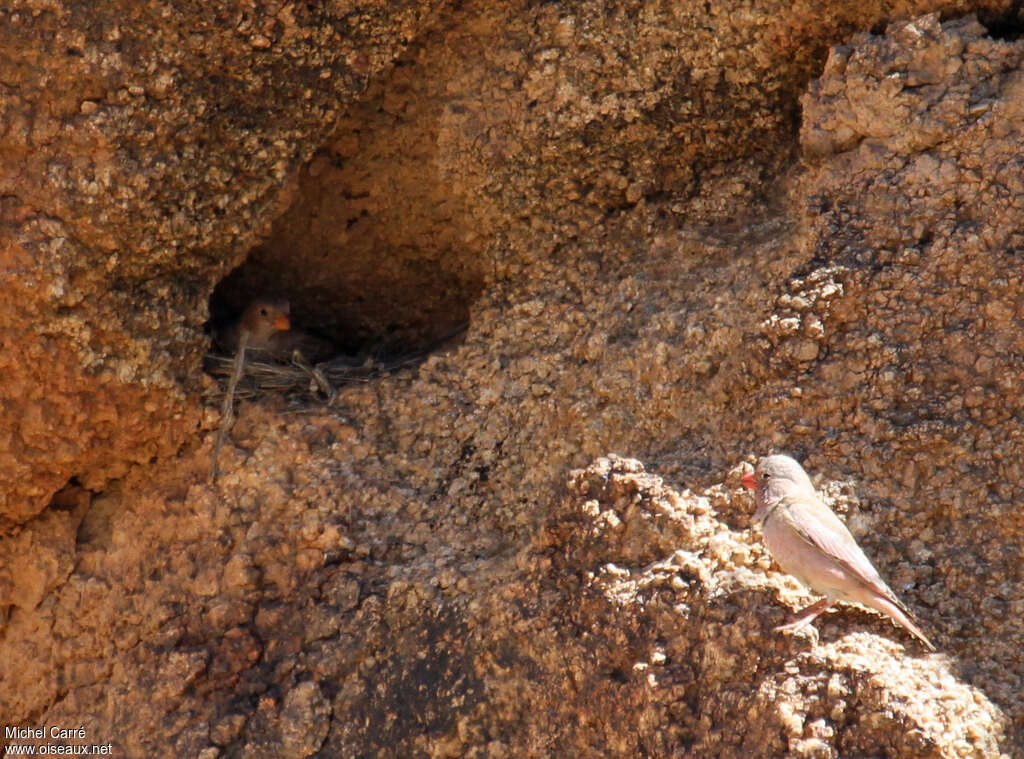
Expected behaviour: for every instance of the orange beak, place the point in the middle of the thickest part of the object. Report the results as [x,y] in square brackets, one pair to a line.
[282,323]
[749,482]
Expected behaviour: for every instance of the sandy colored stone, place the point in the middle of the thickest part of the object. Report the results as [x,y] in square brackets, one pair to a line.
[144,150]
[533,542]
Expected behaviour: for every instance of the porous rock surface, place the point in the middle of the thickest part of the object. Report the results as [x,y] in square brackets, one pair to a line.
[143,151]
[451,561]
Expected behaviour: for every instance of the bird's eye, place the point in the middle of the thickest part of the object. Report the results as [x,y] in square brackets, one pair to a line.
[764,475]
[263,312]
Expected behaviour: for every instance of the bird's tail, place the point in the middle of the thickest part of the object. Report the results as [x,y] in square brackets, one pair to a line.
[897,614]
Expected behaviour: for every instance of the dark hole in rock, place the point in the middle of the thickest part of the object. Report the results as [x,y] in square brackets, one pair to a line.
[72,497]
[366,298]
[1005,26]
[325,331]
[383,247]
[362,264]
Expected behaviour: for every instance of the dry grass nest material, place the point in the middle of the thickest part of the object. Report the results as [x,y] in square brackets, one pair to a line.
[299,378]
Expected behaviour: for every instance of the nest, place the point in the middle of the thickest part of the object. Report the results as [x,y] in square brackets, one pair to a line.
[300,378]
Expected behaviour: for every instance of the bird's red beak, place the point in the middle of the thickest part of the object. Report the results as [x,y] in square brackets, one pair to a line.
[748,481]
[282,323]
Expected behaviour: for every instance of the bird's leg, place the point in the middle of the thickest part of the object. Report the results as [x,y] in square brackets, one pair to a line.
[806,616]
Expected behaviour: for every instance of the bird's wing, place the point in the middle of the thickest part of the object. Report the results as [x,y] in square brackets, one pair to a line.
[312,347]
[815,523]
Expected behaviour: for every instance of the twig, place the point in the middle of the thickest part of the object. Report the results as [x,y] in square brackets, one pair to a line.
[227,409]
[315,373]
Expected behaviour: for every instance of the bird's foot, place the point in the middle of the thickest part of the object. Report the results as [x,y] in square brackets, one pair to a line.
[805,617]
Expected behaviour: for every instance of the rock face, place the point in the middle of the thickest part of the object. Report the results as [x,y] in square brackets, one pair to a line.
[679,234]
[142,153]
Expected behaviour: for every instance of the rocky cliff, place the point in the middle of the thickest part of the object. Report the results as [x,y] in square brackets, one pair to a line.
[681,234]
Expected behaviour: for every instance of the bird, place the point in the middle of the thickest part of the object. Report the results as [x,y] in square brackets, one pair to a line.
[811,543]
[261,320]
[267,322]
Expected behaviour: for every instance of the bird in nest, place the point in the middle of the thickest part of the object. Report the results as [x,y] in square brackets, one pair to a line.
[270,337]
